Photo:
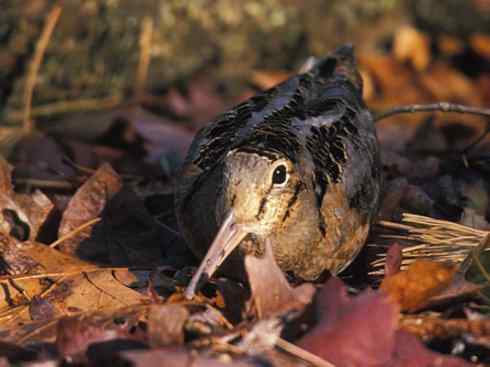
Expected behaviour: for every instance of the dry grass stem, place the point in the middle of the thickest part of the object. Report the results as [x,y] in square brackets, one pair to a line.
[35,64]
[144,57]
[44,184]
[433,239]
[75,232]
[83,269]
[55,108]
[300,353]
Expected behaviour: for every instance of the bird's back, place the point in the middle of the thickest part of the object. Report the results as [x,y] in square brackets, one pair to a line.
[316,119]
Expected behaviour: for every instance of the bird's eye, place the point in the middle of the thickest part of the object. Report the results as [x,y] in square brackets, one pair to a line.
[280,175]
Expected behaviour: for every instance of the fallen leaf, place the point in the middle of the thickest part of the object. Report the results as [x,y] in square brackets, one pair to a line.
[368,86]
[391,76]
[74,335]
[448,84]
[21,215]
[265,79]
[166,324]
[481,44]
[410,352]
[40,309]
[412,45]
[162,137]
[200,105]
[362,331]
[394,192]
[450,45]
[93,291]
[37,208]
[413,287]
[271,293]
[393,260]
[39,156]
[357,331]
[127,235]
[6,186]
[177,357]
[87,204]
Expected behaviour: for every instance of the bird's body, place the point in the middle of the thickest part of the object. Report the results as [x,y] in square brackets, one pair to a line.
[297,165]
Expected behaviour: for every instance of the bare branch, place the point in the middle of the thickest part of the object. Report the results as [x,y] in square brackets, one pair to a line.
[440,107]
[433,107]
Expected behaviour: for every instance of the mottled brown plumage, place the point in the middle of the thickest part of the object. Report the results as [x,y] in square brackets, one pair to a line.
[297,165]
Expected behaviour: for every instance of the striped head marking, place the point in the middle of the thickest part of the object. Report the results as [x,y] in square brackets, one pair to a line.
[259,188]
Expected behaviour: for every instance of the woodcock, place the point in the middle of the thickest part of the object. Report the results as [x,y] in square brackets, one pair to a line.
[295,168]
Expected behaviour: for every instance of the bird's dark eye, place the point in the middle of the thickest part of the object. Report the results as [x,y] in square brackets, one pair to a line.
[280,175]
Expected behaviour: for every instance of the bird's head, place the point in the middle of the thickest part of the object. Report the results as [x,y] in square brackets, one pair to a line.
[257,193]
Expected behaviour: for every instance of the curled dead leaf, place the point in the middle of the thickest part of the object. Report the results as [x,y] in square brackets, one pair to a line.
[271,293]
[87,204]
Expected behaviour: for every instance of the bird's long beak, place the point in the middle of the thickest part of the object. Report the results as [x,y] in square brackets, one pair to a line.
[228,238]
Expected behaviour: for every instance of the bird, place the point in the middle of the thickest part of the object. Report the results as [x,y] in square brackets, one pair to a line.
[295,168]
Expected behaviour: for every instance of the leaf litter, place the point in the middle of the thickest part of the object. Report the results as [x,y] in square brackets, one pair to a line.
[93,267]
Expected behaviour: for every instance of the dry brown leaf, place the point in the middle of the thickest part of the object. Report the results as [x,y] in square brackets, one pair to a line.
[41,274]
[412,45]
[265,79]
[71,295]
[6,186]
[29,265]
[412,288]
[481,44]
[21,215]
[368,87]
[87,204]
[166,324]
[177,357]
[450,45]
[48,259]
[448,84]
[37,208]
[393,259]
[271,293]
[352,331]
[391,77]
[93,291]
[74,335]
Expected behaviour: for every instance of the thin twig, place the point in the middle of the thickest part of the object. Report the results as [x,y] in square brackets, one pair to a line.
[74,232]
[433,107]
[441,107]
[88,104]
[41,45]
[302,354]
[144,57]
[432,239]
[431,327]
[11,312]
[89,268]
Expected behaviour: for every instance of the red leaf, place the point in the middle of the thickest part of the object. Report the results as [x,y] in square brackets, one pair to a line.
[353,331]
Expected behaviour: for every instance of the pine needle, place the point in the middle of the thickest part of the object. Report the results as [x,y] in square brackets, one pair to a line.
[433,239]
